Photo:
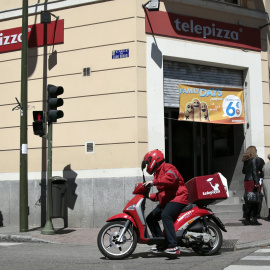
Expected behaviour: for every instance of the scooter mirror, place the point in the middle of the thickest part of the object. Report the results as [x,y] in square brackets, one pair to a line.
[143,165]
[143,177]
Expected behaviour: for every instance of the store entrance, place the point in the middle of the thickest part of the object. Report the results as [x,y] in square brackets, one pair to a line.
[187,146]
[201,148]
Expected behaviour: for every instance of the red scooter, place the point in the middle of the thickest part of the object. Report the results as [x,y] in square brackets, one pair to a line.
[196,227]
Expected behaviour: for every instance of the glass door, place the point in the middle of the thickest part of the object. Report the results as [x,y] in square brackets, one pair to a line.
[196,148]
[187,145]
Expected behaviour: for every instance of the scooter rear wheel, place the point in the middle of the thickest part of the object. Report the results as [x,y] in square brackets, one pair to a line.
[109,244]
[214,245]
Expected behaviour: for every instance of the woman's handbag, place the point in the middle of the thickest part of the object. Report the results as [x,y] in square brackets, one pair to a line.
[253,198]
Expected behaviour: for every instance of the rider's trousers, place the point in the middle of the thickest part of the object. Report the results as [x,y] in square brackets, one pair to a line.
[168,214]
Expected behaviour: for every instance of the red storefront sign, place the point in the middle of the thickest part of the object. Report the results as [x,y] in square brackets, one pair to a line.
[11,39]
[203,30]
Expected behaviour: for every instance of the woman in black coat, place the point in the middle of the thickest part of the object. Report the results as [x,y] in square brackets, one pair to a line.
[251,169]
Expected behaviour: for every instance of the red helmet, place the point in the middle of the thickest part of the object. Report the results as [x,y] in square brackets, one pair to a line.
[153,159]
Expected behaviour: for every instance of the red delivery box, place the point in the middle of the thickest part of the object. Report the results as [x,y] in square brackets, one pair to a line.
[207,189]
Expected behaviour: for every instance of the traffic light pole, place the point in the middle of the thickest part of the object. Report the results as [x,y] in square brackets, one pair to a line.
[52,115]
[48,229]
[24,211]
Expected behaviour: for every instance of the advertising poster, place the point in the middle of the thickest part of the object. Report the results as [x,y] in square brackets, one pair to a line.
[211,104]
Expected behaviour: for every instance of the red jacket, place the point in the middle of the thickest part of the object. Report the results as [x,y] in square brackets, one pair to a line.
[170,185]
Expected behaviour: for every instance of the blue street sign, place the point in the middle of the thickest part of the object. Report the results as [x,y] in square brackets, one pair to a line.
[117,54]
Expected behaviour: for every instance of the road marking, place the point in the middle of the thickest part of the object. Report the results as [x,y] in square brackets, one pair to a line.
[246,267]
[252,258]
[265,250]
[256,258]
[9,244]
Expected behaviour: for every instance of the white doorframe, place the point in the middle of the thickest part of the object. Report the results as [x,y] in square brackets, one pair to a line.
[203,54]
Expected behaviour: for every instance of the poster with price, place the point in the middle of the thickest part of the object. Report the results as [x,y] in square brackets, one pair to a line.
[211,104]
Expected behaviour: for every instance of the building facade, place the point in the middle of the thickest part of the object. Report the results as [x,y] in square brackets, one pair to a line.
[121,67]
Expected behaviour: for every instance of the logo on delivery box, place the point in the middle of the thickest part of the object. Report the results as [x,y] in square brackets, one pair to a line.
[215,188]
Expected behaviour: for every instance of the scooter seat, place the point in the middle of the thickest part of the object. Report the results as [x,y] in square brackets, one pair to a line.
[188,207]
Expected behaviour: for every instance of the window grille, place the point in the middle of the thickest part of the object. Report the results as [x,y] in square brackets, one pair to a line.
[89,147]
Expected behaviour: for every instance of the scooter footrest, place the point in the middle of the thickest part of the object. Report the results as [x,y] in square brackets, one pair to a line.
[197,237]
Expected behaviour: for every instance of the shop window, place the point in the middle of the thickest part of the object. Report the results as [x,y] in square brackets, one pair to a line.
[222,140]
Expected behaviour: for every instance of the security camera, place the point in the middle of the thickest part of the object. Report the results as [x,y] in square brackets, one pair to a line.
[152,5]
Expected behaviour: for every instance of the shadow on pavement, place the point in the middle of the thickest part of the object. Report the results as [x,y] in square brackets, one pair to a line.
[64,231]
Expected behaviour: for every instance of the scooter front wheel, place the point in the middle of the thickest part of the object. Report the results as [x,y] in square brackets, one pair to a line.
[111,246]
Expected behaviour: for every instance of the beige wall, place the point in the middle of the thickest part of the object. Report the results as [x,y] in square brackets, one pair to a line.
[252,4]
[109,107]
[266,89]
[18,4]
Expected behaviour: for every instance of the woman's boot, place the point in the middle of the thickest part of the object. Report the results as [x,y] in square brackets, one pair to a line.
[268,218]
[255,221]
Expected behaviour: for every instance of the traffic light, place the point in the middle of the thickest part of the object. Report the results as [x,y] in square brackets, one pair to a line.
[38,124]
[53,102]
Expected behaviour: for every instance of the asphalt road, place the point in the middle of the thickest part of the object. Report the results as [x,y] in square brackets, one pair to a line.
[33,256]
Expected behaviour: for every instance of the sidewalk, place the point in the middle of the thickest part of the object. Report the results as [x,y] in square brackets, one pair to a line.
[238,236]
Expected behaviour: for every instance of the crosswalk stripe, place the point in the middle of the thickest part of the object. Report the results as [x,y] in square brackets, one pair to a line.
[265,250]
[9,244]
[245,267]
[256,258]
[252,258]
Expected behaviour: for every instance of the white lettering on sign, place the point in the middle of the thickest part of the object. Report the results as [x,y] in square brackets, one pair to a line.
[211,192]
[11,39]
[206,31]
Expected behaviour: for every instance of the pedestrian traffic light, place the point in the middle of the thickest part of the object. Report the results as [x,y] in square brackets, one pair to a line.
[38,124]
[53,102]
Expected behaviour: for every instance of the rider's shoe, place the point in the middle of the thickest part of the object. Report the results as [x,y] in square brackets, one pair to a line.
[174,250]
[158,249]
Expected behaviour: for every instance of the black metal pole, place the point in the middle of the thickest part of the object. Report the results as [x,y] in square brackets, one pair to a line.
[48,229]
[24,211]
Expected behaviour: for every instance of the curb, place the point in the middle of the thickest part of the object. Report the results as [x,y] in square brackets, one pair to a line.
[231,245]
[21,239]
[227,245]
[261,243]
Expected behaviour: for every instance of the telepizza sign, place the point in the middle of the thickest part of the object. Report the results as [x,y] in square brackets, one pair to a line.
[11,39]
[203,30]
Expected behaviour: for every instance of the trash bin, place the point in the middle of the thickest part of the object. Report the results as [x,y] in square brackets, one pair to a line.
[58,197]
